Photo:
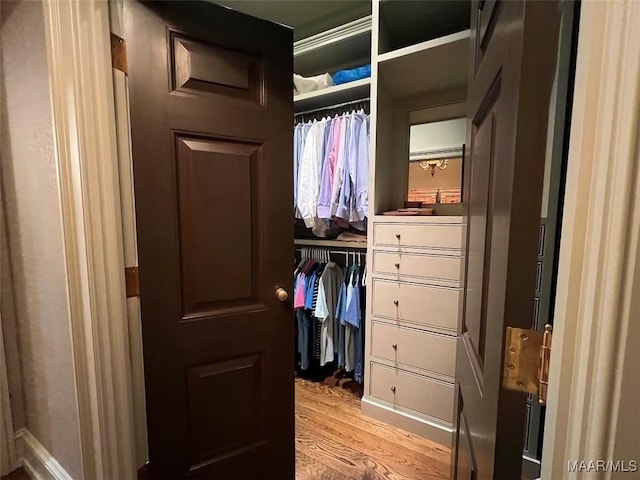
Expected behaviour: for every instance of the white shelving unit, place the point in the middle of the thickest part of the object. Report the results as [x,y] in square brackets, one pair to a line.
[419,55]
[428,66]
[407,22]
[333,95]
[303,242]
[420,58]
[345,46]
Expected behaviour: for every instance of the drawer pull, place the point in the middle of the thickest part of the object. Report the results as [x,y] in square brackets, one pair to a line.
[398,266]
[396,302]
[393,388]
[395,346]
[398,236]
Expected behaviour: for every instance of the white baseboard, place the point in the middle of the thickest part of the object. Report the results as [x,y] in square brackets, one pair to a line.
[36,460]
[430,429]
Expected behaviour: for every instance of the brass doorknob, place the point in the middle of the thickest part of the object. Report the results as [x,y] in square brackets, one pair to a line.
[281,294]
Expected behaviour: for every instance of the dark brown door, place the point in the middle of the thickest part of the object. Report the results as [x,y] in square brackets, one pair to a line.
[513,50]
[211,126]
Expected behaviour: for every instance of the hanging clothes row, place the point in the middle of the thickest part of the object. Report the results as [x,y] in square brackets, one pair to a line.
[331,171]
[329,303]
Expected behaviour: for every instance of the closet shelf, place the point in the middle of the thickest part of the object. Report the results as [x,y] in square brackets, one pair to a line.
[341,47]
[407,22]
[332,95]
[437,64]
[303,242]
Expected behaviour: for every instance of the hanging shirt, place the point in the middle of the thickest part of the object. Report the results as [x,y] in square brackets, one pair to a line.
[321,226]
[346,203]
[309,174]
[338,175]
[340,313]
[303,137]
[298,292]
[328,292]
[328,170]
[297,134]
[352,313]
[362,177]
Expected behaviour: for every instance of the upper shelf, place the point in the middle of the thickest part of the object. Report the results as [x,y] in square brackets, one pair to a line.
[408,22]
[329,243]
[332,95]
[345,46]
[437,64]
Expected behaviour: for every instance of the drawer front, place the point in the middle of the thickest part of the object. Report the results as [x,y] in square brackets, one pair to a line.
[408,346]
[414,392]
[417,265]
[422,304]
[407,235]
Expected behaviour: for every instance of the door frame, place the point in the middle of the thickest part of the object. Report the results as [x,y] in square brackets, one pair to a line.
[85,149]
[599,262]
[599,265]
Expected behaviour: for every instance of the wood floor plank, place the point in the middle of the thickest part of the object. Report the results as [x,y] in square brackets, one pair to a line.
[308,468]
[357,421]
[346,408]
[334,441]
[408,463]
[344,459]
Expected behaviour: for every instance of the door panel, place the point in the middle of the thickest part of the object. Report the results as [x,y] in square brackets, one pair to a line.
[221,268]
[513,61]
[211,111]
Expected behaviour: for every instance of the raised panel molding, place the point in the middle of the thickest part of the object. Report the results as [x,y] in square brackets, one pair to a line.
[216,430]
[202,68]
[218,183]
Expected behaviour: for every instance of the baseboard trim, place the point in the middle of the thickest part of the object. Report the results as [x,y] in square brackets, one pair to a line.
[431,430]
[36,459]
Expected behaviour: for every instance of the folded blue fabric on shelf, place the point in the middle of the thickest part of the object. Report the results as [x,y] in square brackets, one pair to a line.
[352,74]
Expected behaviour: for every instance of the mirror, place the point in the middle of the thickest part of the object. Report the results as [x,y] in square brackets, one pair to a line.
[436,150]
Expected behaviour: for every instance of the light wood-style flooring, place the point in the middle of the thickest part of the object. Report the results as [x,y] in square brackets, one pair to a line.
[334,441]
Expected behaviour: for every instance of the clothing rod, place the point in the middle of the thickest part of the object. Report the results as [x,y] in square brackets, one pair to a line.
[340,252]
[331,107]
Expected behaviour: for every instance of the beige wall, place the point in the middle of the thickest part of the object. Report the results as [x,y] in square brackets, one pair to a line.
[34,234]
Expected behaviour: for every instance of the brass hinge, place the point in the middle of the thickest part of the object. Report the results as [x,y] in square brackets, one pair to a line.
[131,282]
[118,53]
[526,363]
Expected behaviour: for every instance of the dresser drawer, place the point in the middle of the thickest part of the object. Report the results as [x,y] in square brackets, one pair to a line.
[417,265]
[408,346]
[438,236]
[411,302]
[421,394]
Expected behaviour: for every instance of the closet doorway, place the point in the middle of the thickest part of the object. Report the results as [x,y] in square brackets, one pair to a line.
[370,355]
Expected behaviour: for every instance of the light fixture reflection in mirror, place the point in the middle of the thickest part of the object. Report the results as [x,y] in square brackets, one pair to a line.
[436,150]
[432,164]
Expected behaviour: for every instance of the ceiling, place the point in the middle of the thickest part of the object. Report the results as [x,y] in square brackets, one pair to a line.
[307,17]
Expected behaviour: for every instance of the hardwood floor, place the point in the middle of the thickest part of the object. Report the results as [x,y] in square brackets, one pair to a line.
[334,441]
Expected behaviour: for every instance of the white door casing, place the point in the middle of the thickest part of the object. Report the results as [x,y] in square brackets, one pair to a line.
[79,62]
[592,411]
[599,266]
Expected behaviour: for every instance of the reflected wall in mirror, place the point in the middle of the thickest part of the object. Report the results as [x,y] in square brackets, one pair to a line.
[436,150]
